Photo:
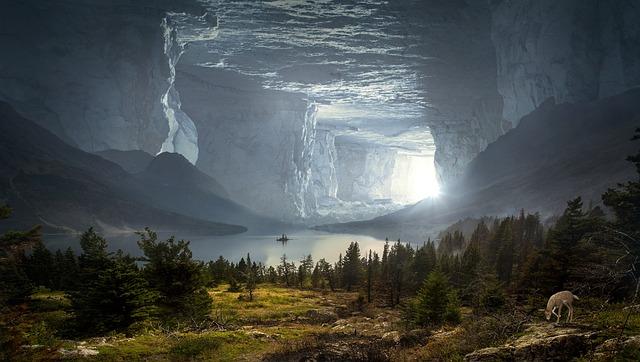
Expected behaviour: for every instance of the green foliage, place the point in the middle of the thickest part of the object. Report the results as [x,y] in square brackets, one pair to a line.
[489,294]
[452,312]
[352,266]
[192,346]
[179,280]
[5,212]
[112,293]
[40,266]
[435,302]
[15,285]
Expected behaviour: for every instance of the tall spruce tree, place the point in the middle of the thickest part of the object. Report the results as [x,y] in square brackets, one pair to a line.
[352,268]
[179,280]
[433,302]
[111,293]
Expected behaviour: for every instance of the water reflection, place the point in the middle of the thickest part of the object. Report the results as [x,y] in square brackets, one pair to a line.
[264,248]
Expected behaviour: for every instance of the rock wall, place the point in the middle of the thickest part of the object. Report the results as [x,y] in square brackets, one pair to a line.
[324,178]
[93,72]
[364,171]
[458,78]
[258,143]
[573,51]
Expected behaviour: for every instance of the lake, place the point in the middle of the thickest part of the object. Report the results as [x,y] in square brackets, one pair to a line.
[262,248]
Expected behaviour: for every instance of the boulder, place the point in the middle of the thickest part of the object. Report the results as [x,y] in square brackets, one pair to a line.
[540,342]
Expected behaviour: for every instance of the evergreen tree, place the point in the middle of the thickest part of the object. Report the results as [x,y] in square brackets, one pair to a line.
[40,266]
[250,278]
[304,271]
[117,299]
[352,269]
[470,263]
[15,286]
[285,269]
[433,302]
[504,262]
[489,295]
[424,262]
[369,275]
[172,272]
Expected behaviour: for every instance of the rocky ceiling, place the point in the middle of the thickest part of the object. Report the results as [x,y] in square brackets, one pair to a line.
[311,110]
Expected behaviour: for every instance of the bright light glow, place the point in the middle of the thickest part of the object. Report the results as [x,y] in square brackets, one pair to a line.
[415,178]
[423,182]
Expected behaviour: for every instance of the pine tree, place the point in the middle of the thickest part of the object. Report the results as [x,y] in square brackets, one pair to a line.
[352,269]
[113,297]
[115,300]
[250,278]
[424,262]
[285,268]
[40,266]
[433,302]
[504,262]
[304,271]
[179,280]
[369,276]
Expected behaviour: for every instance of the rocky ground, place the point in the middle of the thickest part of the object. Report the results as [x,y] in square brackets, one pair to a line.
[283,324]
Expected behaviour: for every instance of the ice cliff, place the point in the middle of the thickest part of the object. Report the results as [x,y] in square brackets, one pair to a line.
[98,74]
[257,142]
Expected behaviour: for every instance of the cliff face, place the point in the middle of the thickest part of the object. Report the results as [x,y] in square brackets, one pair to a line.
[92,72]
[257,142]
[491,63]
[364,171]
[572,51]
[458,78]
[552,156]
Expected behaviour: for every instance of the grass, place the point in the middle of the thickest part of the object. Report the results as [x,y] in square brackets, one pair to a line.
[276,323]
[613,319]
[273,303]
[257,328]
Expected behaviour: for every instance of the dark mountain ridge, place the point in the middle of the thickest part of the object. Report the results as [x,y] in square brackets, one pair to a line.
[48,182]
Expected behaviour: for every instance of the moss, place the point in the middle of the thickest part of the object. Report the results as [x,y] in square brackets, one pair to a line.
[195,345]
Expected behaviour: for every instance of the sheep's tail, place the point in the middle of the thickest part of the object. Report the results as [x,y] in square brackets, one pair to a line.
[575,296]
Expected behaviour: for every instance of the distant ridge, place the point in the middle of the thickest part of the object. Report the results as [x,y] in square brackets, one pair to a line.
[48,182]
[132,161]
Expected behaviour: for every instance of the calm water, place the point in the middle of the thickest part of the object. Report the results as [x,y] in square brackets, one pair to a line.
[263,248]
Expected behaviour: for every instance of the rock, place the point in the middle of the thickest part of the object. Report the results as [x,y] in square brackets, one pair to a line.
[257,142]
[322,316]
[541,342]
[79,351]
[414,337]
[258,334]
[609,348]
[577,63]
[113,61]
[393,336]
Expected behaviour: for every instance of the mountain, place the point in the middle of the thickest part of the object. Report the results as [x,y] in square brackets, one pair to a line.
[48,182]
[171,182]
[556,153]
[132,161]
